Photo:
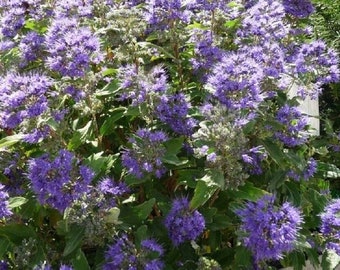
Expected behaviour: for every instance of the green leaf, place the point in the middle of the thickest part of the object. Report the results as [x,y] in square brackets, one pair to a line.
[79,261]
[10,140]
[110,89]
[17,232]
[243,258]
[248,192]
[328,170]
[275,152]
[173,160]
[143,210]
[205,188]
[4,246]
[112,216]
[159,48]
[173,146]
[16,202]
[108,127]
[73,239]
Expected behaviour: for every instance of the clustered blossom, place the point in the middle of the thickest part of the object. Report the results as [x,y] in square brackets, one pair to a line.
[140,87]
[4,204]
[315,58]
[22,97]
[109,190]
[12,18]
[236,81]
[71,48]
[60,181]
[31,47]
[330,223]
[298,8]
[308,171]
[206,53]
[158,13]
[46,266]
[253,159]
[182,223]
[269,231]
[146,153]
[173,110]
[123,254]
[294,123]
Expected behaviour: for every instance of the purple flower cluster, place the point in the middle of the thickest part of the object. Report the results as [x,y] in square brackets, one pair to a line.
[316,56]
[173,111]
[206,53]
[79,8]
[31,47]
[110,191]
[263,22]
[71,48]
[236,81]
[294,123]
[146,153]
[253,159]
[330,223]
[123,254]
[182,223]
[12,18]
[298,8]
[308,172]
[158,13]
[60,181]
[4,205]
[269,231]
[22,97]
[139,87]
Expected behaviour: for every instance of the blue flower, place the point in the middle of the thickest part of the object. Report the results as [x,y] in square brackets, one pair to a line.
[269,231]
[182,223]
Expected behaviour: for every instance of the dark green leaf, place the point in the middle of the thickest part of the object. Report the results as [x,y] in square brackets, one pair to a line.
[79,261]
[4,246]
[10,140]
[205,188]
[275,152]
[73,239]
[17,232]
[108,127]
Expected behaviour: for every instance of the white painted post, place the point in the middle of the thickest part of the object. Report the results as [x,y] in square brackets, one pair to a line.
[310,107]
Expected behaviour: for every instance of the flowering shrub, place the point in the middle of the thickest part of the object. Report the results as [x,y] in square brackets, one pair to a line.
[161,135]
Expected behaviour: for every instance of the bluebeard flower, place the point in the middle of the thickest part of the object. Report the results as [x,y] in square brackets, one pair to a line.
[4,265]
[306,173]
[206,53]
[315,58]
[12,21]
[6,45]
[158,13]
[253,159]
[60,181]
[72,49]
[269,231]
[298,8]
[22,97]
[108,191]
[330,223]
[236,81]
[146,153]
[207,5]
[81,8]
[173,110]
[263,22]
[4,205]
[31,47]
[140,87]
[182,223]
[294,124]
[65,267]
[37,134]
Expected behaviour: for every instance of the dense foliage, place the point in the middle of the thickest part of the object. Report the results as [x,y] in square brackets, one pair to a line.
[162,135]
